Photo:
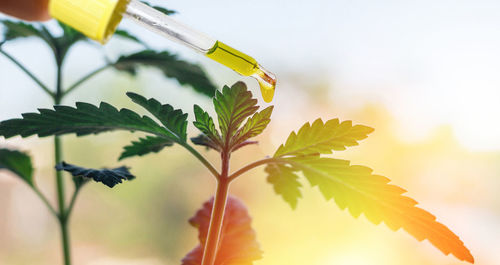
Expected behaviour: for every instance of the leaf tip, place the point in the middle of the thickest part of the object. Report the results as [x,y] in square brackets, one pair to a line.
[132,95]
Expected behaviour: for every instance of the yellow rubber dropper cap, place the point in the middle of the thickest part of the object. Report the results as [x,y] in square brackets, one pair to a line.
[97,19]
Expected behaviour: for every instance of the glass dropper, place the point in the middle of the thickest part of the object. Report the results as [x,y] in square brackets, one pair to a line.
[98,20]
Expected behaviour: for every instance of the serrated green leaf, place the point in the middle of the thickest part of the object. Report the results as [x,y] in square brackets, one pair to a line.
[145,146]
[206,125]
[233,106]
[17,29]
[322,138]
[83,120]
[285,182]
[161,9]
[360,191]
[59,45]
[254,126]
[173,119]
[184,72]
[203,140]
[109,177]
[18,163]
[354,187]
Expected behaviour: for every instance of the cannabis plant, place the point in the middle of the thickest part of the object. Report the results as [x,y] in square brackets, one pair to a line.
[168,63]
[225,234]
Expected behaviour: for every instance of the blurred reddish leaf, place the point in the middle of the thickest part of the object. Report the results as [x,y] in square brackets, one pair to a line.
[238,244]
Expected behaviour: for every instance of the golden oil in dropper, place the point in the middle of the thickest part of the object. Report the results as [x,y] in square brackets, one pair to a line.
[98,20]
[244,65]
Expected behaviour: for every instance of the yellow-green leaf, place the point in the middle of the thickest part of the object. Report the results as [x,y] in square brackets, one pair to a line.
[285,182]
[360,191]
[254,126]
[323,138]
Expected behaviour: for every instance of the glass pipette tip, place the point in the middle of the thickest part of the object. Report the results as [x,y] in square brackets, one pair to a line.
[166,26]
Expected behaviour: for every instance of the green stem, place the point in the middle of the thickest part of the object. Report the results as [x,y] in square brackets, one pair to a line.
[27,72]
[202,159]
[256,164]
[60,199]
[63,216]
[65,240]
[85,78]
[45,201]
[72,203]
[217,217]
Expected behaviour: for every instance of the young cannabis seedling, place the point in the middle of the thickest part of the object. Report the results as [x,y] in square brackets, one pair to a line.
[60,44]
[229,239]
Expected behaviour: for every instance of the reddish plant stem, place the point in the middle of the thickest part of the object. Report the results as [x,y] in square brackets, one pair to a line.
[217,217]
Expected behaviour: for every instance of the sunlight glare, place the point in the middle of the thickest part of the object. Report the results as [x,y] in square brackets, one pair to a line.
[351,257]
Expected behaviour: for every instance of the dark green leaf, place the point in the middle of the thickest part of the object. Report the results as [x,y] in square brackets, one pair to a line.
[70,35]
[322,138]
[233,106]
[109,177]
[80,182]
[127,35]
[285,182]
[206,125]
[59,45]
[203,140]
[238,243]
[254,126]
[83,120]
[18,163]
[173,119]
[17,29]
[145,146]
[161,9]
[184,72]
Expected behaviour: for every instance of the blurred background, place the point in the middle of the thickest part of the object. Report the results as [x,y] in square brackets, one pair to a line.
[424,74]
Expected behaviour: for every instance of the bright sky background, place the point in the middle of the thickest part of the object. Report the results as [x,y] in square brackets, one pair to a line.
[429,62]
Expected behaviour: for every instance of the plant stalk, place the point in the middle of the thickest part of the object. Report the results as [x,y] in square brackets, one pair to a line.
[28,73]
[45,201]
[201,159]
[217,217]
[256,164]
[63,215]
[85,78]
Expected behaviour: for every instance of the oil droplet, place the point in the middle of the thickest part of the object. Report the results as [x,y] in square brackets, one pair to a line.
[246,66]
[267,82]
